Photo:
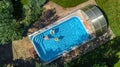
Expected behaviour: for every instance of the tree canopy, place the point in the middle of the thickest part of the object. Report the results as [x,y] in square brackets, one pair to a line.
[9,29]
[12,26]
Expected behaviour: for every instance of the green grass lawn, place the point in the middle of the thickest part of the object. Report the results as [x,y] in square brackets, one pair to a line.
[112,10]
[68,3]
[107,55]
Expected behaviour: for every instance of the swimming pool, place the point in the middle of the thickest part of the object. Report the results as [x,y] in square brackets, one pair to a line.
[66,35]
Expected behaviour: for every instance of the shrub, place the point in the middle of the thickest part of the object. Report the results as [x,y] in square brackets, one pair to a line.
[9,29]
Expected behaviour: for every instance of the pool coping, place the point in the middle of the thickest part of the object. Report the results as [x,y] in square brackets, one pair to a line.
[75,13]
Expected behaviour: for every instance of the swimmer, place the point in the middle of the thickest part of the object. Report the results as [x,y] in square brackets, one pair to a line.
[52,31]
[56,39]
[45,37]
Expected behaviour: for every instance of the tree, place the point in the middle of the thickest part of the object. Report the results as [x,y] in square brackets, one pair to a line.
[9,29]
[100,65]
[15,19]
[32,10]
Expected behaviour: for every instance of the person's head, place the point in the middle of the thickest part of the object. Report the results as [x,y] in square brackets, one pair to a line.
[45,37]
[52,31]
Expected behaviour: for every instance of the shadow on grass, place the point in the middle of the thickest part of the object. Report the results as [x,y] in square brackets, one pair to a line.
[18,9]
[105,54]
[6,58]
[6,54]
[24,63]
[29,62]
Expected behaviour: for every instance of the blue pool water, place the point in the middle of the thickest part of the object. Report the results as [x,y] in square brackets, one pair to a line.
[69,33]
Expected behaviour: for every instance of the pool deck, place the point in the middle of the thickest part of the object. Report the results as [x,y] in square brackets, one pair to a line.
[22,52]
[72,24]
[86,47]
[77,13]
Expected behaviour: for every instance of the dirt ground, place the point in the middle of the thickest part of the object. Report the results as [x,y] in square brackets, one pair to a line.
[21,48]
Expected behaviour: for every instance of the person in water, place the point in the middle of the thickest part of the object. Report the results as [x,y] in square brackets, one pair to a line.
[46,38]
[52,31]
[56,39]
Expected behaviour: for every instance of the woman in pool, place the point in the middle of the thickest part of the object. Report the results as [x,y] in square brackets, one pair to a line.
[52,31]
[56,39]
[46,38]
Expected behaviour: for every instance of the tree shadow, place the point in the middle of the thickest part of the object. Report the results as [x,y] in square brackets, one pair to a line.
[48,17]
[18,9]
[106,53]
[47,1]
[56,30]
[6,58]
[24,63]
[44,19]
[30,62]
[61,37]
[6,54]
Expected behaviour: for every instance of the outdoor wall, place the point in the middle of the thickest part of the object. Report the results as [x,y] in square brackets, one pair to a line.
[96,18]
